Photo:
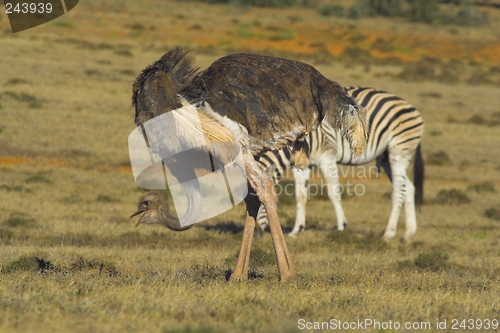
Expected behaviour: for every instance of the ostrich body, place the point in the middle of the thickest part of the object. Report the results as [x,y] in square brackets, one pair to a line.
[260,103]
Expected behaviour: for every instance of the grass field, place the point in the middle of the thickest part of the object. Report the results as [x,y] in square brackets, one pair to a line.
[72,261]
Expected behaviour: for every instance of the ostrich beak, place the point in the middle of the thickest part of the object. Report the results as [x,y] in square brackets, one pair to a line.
[141,209]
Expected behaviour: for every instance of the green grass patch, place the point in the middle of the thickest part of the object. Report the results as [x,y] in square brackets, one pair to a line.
[128,72]
[196,26]
[106,198]
[288,34]
[345,237]
[439,158]
[29,264]
[71,199]
[16,81]
[493,213]
[431,261]
[64,24]
[13,188]
[93,72]
[38,178]
[484,187]
[137,27]
[203,273]
[332,10]
[452,197]
[19,220]
[124,53]
[20,97]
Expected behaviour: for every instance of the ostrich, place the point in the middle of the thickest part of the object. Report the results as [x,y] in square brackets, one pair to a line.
[259,102]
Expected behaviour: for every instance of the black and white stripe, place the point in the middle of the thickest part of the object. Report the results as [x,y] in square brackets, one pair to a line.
[395,133]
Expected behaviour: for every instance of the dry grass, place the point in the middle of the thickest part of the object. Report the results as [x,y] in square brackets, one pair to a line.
[72,260]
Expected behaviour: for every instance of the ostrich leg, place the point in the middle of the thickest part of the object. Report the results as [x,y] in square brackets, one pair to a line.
[285,266]
[252,203]
[264,188]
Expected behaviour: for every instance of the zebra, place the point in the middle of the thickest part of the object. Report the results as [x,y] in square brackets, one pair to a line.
[395,133]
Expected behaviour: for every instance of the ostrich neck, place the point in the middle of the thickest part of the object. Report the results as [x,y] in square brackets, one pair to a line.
[167,219]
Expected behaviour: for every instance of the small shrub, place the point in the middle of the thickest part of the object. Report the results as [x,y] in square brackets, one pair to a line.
[423,10]
[22,97]
[354,54]
[92,72]
[11,188]
[419,71]
[196,26]
[124,53]
[104,46]
[382,45]
[435,133]
[82,264]
[106,198]
[15,81]
[29,264]
[431,94]
[389,8]
[439,158]
[469,15]
[128,72]
[104,62]
[288,34]
[433,261]
[452,197]
[484,187]
[479,78]
[493,213]
[136,27]
[38,178]
[356,11]
[17,220]
[332,10]
[476,120]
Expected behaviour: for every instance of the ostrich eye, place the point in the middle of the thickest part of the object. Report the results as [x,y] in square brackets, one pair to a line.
[146,203]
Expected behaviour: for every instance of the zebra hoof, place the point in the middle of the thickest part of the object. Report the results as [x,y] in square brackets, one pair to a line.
[387,236]
[293,235]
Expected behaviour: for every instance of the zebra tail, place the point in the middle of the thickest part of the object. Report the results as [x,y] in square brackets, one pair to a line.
[418,177]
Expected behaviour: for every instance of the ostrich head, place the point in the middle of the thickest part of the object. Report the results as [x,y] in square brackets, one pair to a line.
[156,211]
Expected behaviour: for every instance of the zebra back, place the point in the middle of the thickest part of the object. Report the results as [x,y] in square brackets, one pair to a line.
[394,124]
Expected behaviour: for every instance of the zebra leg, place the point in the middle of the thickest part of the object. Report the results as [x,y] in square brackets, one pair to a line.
[398,166]
[330,174]
[262,220]
[411,216]
[301,192]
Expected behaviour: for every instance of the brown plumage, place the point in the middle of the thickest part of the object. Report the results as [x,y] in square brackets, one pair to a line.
[261,103]
[277,100]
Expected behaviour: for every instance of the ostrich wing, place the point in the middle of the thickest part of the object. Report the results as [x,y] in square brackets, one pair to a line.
[277,100]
